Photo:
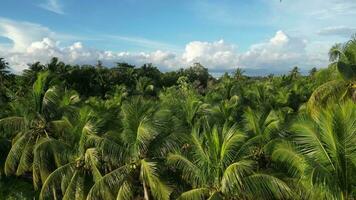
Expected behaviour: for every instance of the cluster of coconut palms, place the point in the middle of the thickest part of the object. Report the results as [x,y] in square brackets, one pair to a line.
[287,137]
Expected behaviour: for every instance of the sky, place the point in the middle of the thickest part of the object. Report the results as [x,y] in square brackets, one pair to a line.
[260,36]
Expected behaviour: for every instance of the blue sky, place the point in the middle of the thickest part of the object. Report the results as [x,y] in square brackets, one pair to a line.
[258,35]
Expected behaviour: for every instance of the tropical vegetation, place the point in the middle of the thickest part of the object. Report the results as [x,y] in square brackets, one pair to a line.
[90,132]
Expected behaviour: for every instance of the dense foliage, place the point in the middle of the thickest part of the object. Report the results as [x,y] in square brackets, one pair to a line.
[91,132]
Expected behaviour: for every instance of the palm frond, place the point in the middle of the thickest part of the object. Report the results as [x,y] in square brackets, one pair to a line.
[12,125]
[267,186]
[55,181]
[109,183]
[233,179]
[17,152]
[39,88]
[150,176]
[195,194]
[126,192]
[190,171]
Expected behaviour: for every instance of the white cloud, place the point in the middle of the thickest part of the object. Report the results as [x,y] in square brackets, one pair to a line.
[281,51]
[214,54]
[22,34]
[53,6]
[343,31]
[33,42]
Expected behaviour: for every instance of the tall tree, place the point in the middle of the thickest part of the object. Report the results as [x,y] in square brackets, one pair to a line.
[343,58]
[213,164]
[35,131]
[322,151]
[131,155]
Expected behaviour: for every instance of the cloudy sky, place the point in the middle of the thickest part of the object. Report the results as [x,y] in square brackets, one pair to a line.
[262,36]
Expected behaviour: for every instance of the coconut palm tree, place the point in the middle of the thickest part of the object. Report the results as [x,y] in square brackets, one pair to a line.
[212,162]
[239,74]
[4,70]
[84,166]
[261,127]
[322,153]
[343,58]
[135,169]
[144,86]
[36,131]
[187,108]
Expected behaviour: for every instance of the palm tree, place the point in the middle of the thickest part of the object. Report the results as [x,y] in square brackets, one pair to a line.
[187,107]
[212,162]
[144,86]
[343,57]
[131,155]
[4,71]
[294,73]
[239,74]
[226,110]
[322,152]
[36,131]
[74,179]
[261,127]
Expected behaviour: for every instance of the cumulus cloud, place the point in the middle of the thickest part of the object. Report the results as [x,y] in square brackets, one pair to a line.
[33,42]
[281,51]
[214,54]
[22,34]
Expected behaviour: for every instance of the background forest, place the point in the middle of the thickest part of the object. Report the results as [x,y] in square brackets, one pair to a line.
[127,132]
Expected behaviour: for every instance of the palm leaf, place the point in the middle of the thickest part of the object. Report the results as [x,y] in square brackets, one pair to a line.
[150,176]
[194,194]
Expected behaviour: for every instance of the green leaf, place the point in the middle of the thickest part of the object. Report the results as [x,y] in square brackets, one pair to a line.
[194,194]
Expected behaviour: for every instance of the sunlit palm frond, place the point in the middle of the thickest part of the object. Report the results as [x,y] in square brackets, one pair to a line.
[126,191]
[106,187]
[39,88]
[20,156]
[286,153]
[149,175]
[194,194]
[266,186]
[233,180]
[326,93]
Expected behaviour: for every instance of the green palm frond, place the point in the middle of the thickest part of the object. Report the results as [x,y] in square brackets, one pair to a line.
[149,175]
[287,154]
[266,186]
[325,142]
[233,180]
[17,152]
[48,154]
[60,178]
[194,194]
[232,141]
[38,89]
[326,93]
[92,158]
[12,125]
[126,192]
[190,171]
[106,187]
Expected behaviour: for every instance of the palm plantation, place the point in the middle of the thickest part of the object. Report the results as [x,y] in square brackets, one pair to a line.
[132,133]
